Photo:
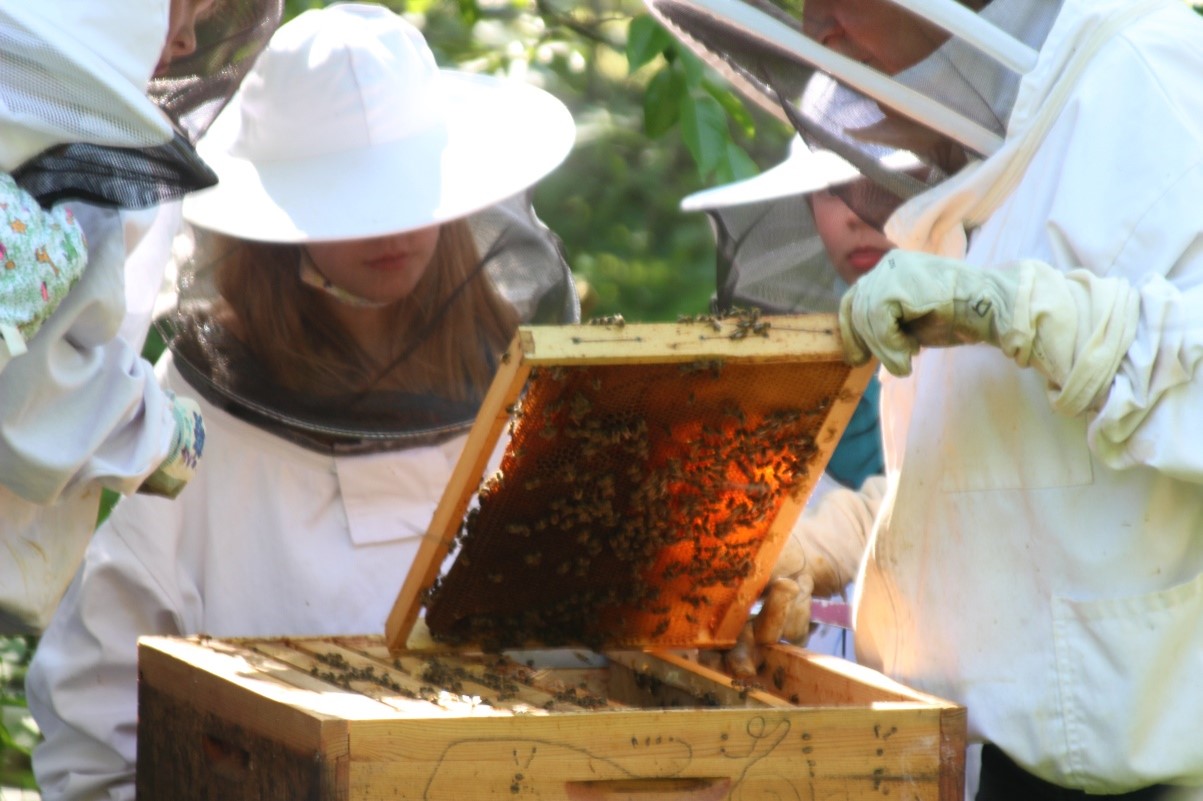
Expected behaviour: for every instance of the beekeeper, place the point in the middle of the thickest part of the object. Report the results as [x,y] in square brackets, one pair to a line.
[1039,555]
[79,410]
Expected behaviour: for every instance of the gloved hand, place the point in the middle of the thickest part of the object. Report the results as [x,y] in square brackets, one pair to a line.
[820,558]
[187,447]
[1074,328]
[42,255]
[784,615]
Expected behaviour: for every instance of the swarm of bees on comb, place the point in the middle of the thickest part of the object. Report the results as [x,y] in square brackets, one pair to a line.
[631,501]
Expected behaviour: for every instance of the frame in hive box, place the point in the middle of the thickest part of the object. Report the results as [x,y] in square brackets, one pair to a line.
[649,480]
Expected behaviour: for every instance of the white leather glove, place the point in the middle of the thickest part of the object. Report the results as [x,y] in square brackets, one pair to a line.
[187,448]
[820,558]
[1074,328]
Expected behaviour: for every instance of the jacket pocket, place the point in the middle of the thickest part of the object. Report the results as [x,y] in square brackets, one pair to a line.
[1128,672]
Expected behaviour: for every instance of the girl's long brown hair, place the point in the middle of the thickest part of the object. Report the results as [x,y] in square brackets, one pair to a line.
[285,325]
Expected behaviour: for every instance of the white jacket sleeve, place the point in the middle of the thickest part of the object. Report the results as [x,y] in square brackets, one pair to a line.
[82,685]
[833,534]
[81,406]
[1151,414]
[41,548]
[148,283]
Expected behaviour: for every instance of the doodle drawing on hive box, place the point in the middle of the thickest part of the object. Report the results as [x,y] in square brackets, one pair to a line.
[650,476]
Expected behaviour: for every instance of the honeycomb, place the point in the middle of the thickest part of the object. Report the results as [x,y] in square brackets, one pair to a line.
[633,500]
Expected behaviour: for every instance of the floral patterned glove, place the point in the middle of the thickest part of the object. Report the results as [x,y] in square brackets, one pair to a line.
[42,255]
[187,447]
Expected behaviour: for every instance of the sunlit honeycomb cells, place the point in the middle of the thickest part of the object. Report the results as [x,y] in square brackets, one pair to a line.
[631,501]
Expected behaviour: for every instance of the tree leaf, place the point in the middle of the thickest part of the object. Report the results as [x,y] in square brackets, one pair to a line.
[662,101]
[704,129]
[735,165]
[733,105]
[646,39]
[695,70]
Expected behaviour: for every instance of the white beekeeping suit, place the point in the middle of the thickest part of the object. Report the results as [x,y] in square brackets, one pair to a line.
[1039,557]
[78,409]
[97,118]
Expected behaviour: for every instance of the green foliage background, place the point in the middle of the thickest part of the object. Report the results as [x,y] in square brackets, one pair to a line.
[17,731]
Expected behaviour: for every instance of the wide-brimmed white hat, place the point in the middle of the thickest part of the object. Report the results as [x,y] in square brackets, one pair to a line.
[801,172]
[346,128]
[77,71]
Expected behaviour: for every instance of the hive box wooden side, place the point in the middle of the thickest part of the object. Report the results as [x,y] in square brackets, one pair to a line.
[220,721]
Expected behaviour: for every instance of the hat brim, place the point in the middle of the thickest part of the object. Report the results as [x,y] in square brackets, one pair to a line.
[801,173]
[146,124]
[498,137]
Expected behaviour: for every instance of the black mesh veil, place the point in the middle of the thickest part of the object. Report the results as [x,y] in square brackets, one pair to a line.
[62,80]
[829,113]
[518,256]
[769,253]
[130,178]
[192,92]
[770,258]
[194,89]
[947,108]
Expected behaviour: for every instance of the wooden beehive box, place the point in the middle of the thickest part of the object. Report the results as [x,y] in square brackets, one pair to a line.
[649,479]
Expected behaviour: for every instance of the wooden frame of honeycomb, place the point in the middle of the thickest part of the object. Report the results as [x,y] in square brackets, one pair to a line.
[650,477]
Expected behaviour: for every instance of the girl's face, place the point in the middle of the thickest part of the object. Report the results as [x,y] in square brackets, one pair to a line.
[380,270]
[878,33]
[853,245]
[181,30]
